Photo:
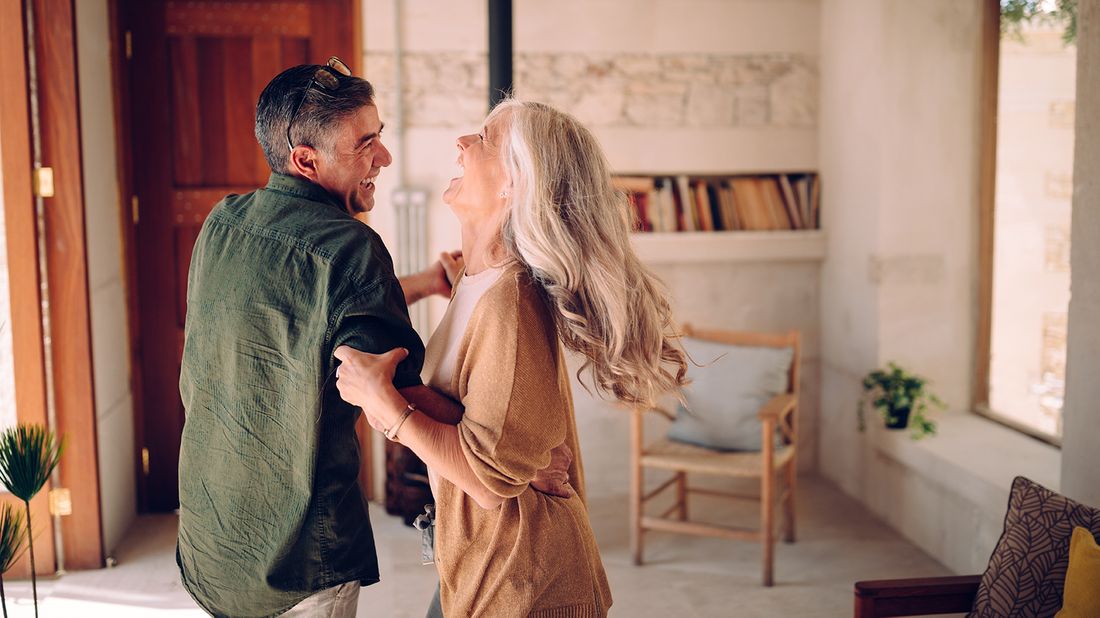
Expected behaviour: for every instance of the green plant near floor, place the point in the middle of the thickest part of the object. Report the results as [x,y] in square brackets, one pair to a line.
[28,455]
[11,545]
[895,392]
[1061,13]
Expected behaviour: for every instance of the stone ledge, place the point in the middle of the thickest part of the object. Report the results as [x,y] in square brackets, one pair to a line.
[974,459]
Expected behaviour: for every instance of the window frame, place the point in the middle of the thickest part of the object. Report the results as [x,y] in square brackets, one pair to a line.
[988,114]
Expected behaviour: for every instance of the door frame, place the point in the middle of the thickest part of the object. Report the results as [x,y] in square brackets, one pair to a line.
[66,268]
[120,51]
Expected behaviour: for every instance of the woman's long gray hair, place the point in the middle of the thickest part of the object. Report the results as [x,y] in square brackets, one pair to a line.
[571,228]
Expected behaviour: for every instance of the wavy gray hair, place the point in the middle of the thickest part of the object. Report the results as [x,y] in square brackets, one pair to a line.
[571,228]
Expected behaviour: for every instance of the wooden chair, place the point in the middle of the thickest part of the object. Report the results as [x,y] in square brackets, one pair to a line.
[778,417]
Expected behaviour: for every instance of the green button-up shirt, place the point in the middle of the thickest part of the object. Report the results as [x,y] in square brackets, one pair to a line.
[270,506]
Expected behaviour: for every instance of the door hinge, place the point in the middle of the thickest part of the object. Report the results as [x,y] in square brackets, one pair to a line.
[145,461]
[129,45]
[43,181]
[134,213]
[61,501]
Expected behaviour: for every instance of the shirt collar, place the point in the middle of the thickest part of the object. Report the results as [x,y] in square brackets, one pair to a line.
[300,187]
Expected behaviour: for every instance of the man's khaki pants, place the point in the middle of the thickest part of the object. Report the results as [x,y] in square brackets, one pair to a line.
[336,602]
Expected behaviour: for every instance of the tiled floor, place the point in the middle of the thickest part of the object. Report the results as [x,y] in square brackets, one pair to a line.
[838,543]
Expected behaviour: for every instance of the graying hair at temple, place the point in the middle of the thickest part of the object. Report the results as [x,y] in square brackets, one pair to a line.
[319,113]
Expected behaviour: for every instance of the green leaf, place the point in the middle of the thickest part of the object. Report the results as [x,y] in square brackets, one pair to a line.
[28,455]
[12,538]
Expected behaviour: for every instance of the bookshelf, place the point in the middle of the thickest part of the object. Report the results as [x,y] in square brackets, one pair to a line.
[686,218]
[744,246]
[723,203]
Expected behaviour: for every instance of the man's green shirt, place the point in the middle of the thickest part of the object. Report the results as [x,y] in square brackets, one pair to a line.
[270,506]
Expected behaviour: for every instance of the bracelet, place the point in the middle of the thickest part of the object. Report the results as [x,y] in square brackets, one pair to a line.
[391,433]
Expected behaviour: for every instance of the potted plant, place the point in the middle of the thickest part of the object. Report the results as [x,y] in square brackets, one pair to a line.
[28,455]
[902,398]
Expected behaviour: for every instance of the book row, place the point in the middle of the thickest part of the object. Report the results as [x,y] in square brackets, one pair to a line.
[723,203]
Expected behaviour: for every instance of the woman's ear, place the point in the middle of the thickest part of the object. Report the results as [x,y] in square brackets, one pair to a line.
[303,162]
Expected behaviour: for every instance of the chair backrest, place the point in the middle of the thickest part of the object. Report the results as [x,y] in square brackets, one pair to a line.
[790,339]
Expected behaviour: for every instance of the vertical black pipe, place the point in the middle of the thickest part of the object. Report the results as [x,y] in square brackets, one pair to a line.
[500,50]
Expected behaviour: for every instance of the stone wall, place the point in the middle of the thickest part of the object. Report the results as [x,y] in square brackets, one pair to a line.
[448,89]
[1080,457]
[667,86]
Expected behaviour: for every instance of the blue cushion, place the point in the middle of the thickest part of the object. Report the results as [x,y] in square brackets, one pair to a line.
[726,393]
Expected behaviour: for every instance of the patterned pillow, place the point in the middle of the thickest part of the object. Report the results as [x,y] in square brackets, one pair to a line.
[1028,567]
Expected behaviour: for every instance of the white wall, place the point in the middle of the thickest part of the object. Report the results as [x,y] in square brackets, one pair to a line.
[1080,457]
[667,86]
[900,153]
[106,284]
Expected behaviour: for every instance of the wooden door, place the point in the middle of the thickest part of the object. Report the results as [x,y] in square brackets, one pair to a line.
[195,72]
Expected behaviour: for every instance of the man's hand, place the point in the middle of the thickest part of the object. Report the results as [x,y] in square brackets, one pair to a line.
[554,478]
[452,264]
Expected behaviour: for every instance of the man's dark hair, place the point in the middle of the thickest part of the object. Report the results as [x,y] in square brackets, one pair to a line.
[319,113]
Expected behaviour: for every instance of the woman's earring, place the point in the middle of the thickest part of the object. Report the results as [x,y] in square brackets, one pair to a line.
[503,194]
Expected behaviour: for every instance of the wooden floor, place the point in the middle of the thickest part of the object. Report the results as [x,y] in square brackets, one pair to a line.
[684,577]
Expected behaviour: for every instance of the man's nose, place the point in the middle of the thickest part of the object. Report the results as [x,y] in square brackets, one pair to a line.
[384,158]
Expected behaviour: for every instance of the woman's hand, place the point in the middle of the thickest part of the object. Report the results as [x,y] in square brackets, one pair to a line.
[366,380]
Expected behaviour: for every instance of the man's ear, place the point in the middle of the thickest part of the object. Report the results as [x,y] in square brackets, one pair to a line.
[303,162]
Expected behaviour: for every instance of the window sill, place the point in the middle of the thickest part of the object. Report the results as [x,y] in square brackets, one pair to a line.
[973,457]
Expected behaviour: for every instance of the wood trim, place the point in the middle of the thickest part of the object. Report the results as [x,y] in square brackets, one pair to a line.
[285,18]
[358,62]
[987,179]
[22,246]
[911,597]
[121,86]
[67,268]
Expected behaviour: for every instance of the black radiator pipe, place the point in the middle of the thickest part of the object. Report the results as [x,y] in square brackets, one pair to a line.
[500,50]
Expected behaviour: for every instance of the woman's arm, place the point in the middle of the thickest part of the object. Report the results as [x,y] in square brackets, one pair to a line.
[365,380]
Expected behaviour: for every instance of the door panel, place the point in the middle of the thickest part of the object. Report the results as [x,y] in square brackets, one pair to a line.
[197,70]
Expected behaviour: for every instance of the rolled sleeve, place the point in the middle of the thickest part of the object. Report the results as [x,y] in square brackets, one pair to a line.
[377,321]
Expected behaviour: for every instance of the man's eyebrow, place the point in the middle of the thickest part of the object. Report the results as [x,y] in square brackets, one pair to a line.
[370,136]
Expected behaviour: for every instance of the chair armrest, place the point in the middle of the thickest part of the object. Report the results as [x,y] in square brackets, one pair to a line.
[915,597]
[778,407]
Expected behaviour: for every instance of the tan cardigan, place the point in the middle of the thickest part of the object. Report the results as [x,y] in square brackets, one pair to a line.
[535,555]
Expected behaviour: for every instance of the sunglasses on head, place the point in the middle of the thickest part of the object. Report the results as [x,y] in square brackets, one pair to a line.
[327,80]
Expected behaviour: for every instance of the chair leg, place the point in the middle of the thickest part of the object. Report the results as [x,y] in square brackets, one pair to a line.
[767,523]
[789,503]
[681,494]
[636,514]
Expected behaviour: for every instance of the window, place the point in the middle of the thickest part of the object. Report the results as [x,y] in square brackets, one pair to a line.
[1030,228]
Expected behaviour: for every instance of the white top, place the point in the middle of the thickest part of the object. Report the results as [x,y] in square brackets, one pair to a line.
[452,327]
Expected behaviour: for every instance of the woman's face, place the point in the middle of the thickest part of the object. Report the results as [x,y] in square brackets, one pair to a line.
[477,192]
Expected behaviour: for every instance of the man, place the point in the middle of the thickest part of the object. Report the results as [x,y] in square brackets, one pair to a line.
[271,514]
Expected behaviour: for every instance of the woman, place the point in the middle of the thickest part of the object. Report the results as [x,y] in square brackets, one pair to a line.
[545,239]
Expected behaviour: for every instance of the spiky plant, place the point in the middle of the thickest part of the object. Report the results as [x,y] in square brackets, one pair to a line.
[28,455]
[11,545]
